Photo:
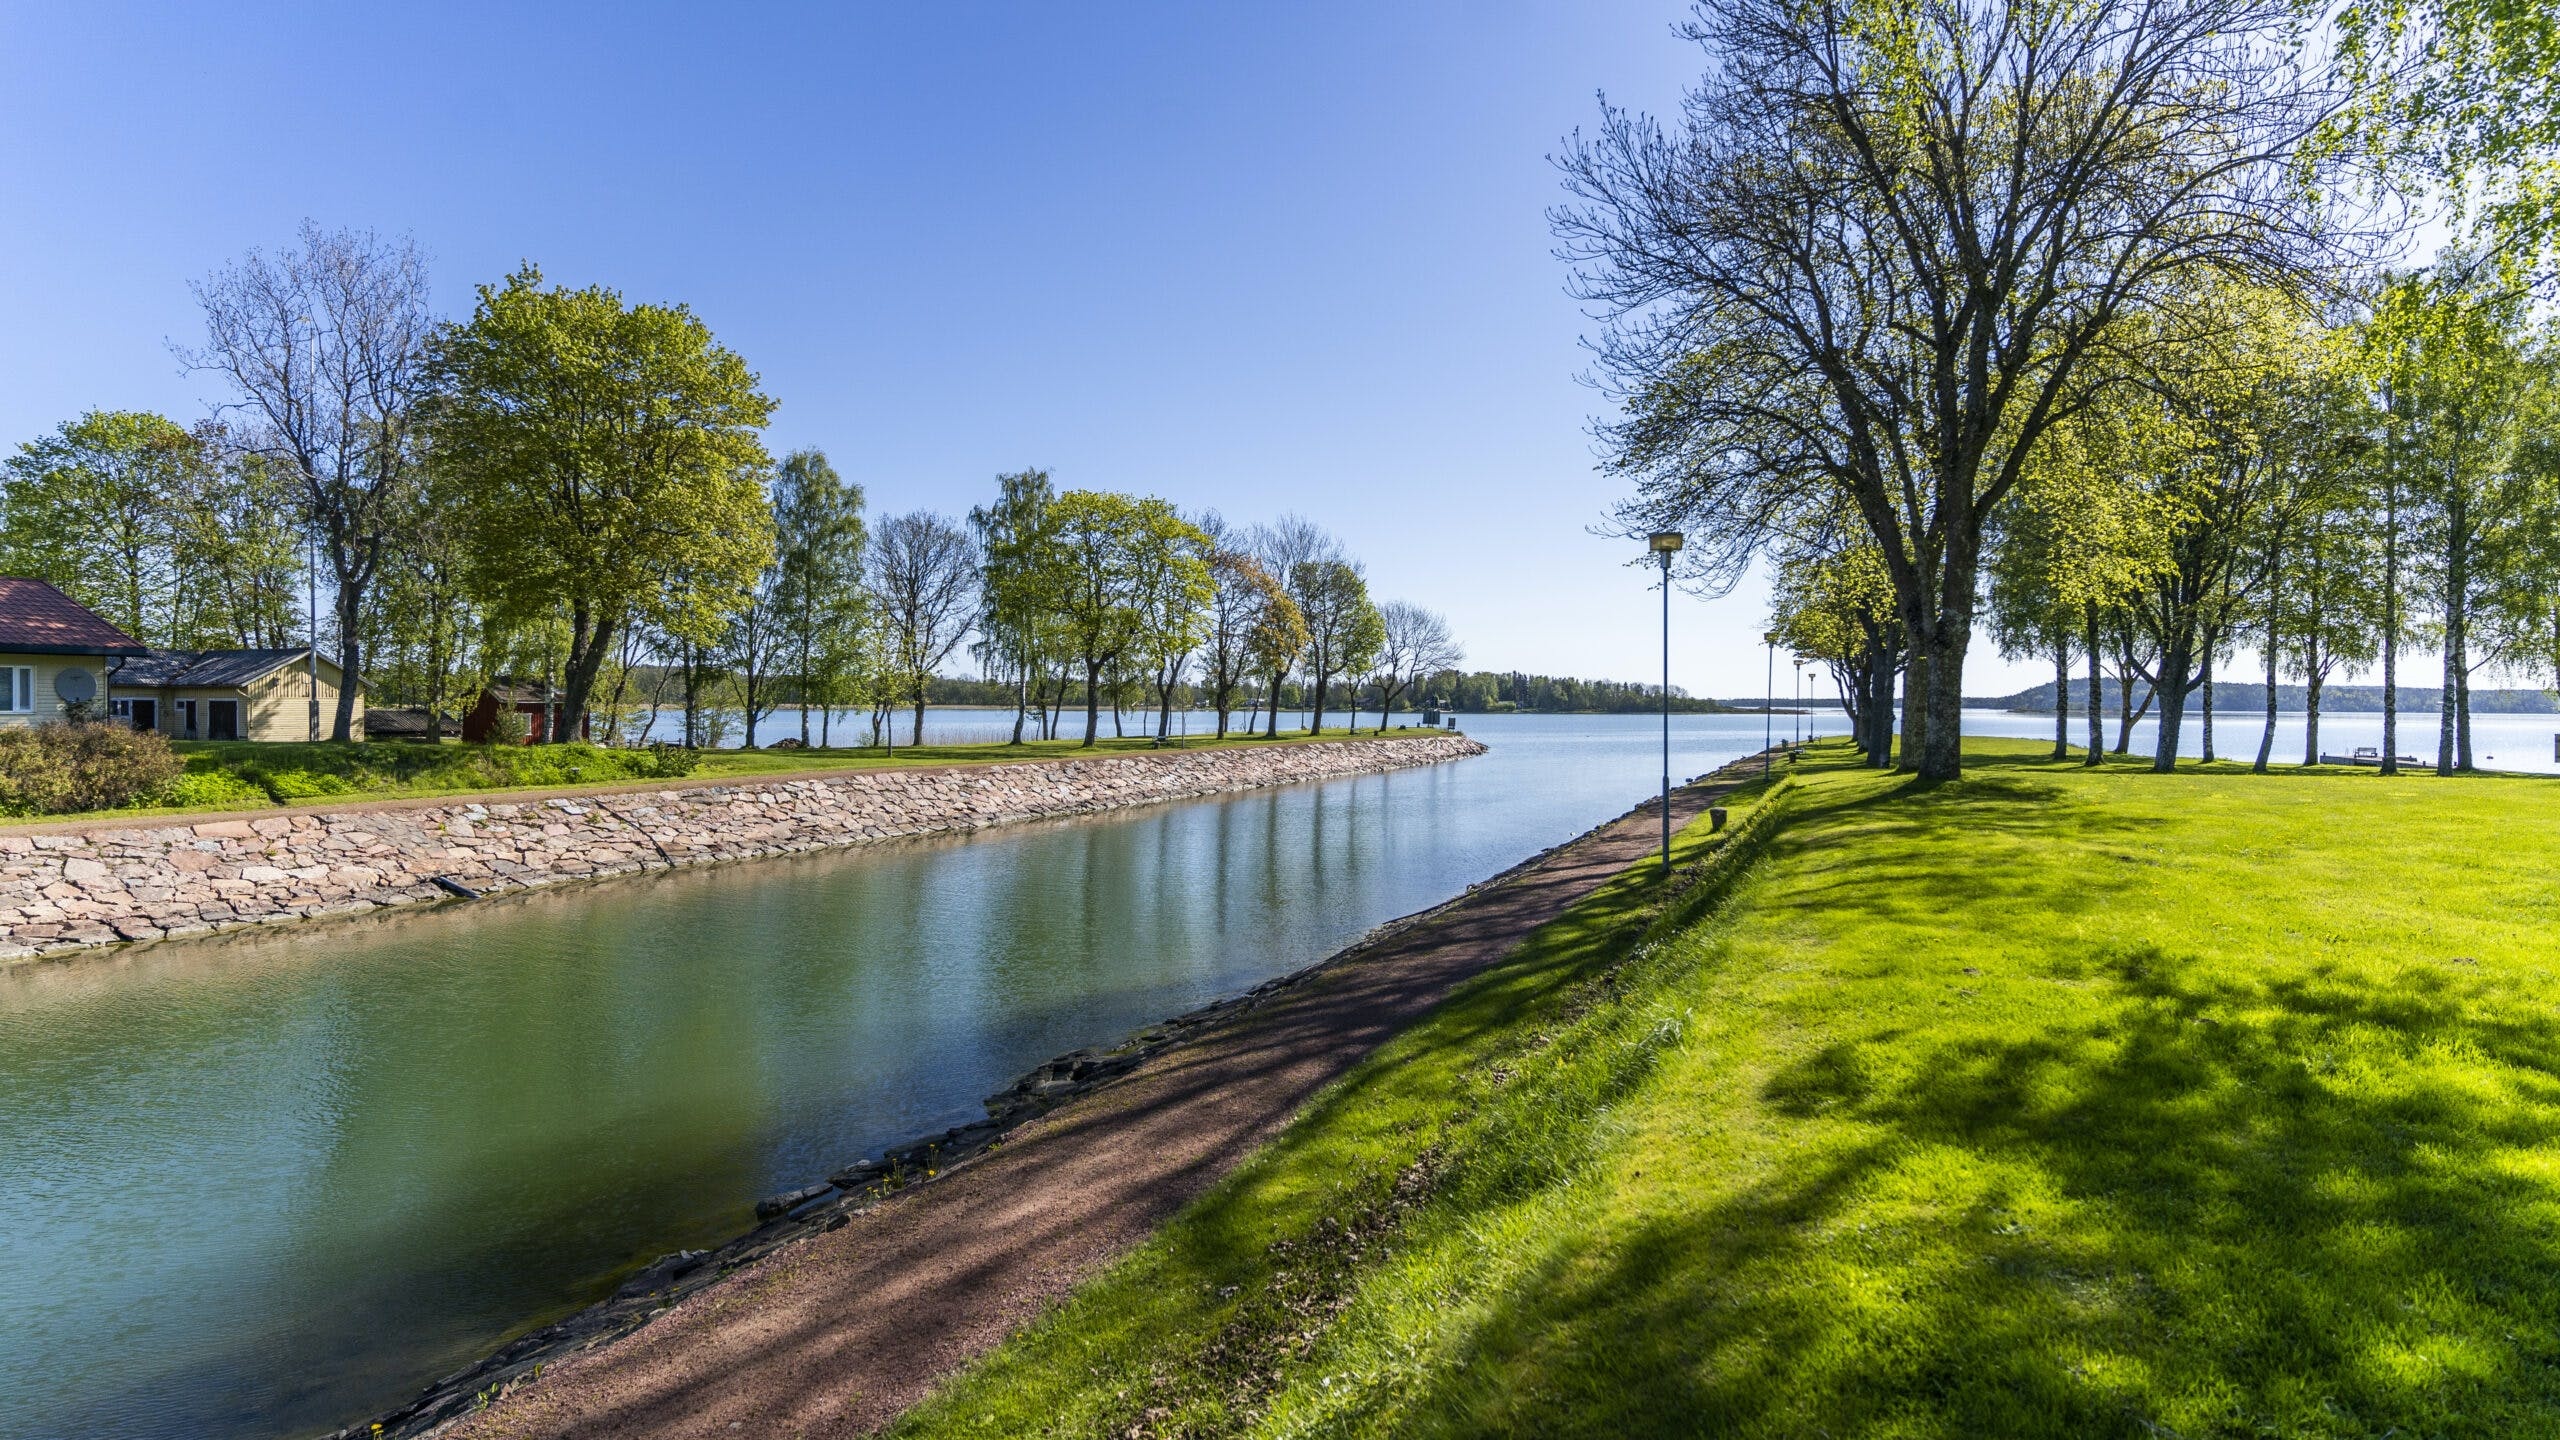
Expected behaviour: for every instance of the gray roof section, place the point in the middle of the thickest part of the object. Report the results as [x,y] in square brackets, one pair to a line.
[209,669]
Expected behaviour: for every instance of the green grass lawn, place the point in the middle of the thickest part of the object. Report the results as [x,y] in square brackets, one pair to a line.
[248,774]
[2046,1102]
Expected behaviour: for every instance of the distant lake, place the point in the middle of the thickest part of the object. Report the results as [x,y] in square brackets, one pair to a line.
[2519,743]
[2501,742]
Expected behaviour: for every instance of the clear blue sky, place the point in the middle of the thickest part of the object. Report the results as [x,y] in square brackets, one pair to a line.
[1255,257]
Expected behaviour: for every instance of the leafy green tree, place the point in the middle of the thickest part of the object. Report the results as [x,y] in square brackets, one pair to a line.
[236,542]
[2458,97]
[609,464]
[426,617]
[820,540]
[1838,608]
[1018,550]
[1118,557]
[90,508]
[1175,586]
[1344,630]
[1254,627]
[2458,370]
[756,641]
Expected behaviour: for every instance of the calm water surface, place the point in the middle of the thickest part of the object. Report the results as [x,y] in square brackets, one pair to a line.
[264,1185]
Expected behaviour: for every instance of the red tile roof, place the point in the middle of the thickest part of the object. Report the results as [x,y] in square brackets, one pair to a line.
[35,617]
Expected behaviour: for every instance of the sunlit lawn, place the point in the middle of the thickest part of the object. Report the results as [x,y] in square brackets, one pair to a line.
[2048,1102]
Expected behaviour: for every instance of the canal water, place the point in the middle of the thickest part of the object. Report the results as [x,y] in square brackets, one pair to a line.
[268,1184]
[264,1185]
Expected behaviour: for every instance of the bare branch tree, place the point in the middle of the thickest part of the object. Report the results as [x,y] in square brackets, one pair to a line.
[1286,548]
[924,578]
[1414,643]
[1889,245]
[325,344]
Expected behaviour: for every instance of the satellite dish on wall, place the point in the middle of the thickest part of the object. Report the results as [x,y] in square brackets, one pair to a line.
[75,685]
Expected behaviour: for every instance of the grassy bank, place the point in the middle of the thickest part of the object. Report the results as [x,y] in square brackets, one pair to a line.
[242,774]
[2048,1102]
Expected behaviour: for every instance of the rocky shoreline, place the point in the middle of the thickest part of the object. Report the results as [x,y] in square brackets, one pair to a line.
[794,1216]
[75,889]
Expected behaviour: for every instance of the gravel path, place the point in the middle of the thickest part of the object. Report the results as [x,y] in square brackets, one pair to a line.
[840,1334]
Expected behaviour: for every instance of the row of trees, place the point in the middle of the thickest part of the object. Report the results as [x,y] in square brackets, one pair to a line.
[2077,320]
[571,486]
[2326,494]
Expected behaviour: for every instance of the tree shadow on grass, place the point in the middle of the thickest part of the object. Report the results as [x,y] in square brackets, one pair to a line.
[2226,1208]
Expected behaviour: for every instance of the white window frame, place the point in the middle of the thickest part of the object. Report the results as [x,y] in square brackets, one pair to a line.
[20,682]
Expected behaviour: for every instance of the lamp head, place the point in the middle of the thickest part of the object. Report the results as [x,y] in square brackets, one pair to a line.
[1663,542]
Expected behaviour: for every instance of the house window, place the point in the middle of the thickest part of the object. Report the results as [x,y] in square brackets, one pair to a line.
[187,718]
[21,688]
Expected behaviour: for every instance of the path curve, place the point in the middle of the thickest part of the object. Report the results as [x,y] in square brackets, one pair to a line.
[838,1335]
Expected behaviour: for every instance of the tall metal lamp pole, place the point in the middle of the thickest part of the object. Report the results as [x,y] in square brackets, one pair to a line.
[1769,706]
[1665,544]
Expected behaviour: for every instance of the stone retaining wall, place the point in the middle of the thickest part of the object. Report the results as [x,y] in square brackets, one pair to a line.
[67,891]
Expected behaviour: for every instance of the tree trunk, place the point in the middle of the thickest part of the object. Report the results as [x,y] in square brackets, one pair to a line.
[1877,737]
[2267,737]
[2457,625]
[2275,589]
[2207,692]
[591,638]
[1915,708]
[350,658]
[2311,678]
[918,737]
[1021,700]
[2097,688]
[1315,708]
[1277,677]
[2462,733]
[2061,698]
[1092,702]
[2177,681]
[2391,617]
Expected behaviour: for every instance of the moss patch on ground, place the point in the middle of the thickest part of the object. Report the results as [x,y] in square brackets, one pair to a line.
[2050,1101]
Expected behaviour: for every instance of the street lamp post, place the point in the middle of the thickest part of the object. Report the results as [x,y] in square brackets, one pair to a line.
[1665,544]
[1769,706]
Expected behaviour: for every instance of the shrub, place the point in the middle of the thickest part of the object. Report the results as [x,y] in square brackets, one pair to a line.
[669,762]
[63,769]
[211,787]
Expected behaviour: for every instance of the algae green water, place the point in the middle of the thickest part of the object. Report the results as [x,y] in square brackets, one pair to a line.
[269,1184]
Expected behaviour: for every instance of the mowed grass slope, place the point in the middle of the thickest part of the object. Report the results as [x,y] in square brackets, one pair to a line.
[2047,1102]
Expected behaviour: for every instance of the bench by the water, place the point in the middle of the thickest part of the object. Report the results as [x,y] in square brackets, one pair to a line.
[2372,755]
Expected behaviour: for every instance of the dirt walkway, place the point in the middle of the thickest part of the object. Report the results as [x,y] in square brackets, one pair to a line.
[838,1335]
